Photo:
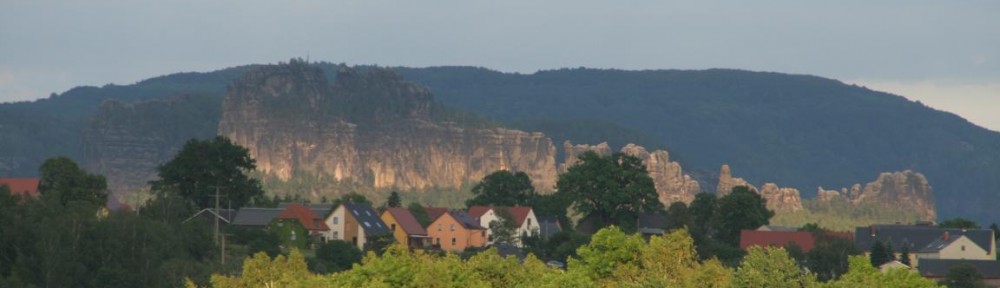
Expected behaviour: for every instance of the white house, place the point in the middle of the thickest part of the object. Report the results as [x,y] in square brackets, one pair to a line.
[524,219]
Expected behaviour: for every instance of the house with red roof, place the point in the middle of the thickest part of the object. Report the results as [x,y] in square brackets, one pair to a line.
[23,187]
[296,224]
[455,231]
[405,227]
[524,219]
[803,239]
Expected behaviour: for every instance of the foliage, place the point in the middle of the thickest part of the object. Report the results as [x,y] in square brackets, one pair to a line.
[880,254]
[677,217]
[394,201]
[63,181]
[338,255]
[741,209]
[862,274]
[840,215]
[770,267]
[904,255]
[559,247]
[959,223]
[419,213]
[503,229]
[503,188]
[702,211]
[830,255]
[203,168]
[262,271]
[963,276]
[610,189]
[351,198]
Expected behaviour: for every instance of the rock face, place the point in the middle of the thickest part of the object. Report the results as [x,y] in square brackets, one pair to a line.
[671,183]
[727,182]
[890,190]
[781,199]
[126,142]
[369,127]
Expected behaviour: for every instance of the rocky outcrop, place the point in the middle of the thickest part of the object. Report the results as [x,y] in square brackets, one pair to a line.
[727,182]
[890,190]
[369,127]
[781,199]
[126,142]
[671,183]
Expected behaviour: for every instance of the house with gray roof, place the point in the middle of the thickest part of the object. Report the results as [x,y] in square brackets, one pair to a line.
[929,242]
[936,269]
[255,217]
[356,223]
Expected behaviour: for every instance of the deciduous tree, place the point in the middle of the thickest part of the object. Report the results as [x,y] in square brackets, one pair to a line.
[741,209]
[610,189]
[204,167]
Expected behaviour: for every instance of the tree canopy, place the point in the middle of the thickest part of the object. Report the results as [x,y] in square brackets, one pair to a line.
[960,223]
[62,180]
[611,189]
[503,188]
[741,209]
[204,167]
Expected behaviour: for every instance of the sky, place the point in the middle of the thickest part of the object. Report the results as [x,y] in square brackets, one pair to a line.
[945,54]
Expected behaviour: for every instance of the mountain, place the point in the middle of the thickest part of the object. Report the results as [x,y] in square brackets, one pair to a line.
[799,131]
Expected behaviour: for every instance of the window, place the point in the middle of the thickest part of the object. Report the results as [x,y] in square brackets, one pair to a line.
[484,234]
[963,247]
[393,227]
[438,240]
[336,235]
[439,227]
[368,225]
[293,237]
[452,241]
[529,222]
[368,212]
[336,220]
[354,240]
[452,227]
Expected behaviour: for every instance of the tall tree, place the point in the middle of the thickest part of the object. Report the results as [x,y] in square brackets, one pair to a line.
[394,201]
[610,189]
[63,181]
[741,209]
[205,167]
[503,188]
[770,267]
[504,231]
[904,254]
[353,198]
[419,213]
[678,217]
[702,211]
[879,254]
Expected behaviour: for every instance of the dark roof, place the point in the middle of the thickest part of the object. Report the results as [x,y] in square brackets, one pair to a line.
[749,238]
[916,237]
[548,226]
[938,268]
[255,216]
[941,243]
[464,219]
[305,216]
[21,186]
[226,215]
[320,209]
[368,219]
[435,212]
[507,250]
[406,221]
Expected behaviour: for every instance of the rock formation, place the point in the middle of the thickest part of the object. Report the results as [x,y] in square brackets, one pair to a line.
[671,183]
[371,127]
[727,182]
[781,199]
[890,190]
[126,142]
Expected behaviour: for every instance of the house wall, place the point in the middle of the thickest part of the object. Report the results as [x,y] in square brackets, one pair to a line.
[398,232]
[970,251]
[336,230]
[441,232]
[485,221]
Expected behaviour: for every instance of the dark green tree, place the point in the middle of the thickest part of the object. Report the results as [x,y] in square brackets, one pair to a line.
[610,189]
[959,222]
[503,188]
[503,229]
[353,198]
[879,254]
[741,209]
[204,167]
[904,254]
[829,258]
[702,210]
[678,216]
[63,181]
[963,276]
[338,255]
[890,251]
[394,200]
[419,213]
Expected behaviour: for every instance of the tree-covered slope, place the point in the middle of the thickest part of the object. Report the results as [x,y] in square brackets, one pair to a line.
[800,131]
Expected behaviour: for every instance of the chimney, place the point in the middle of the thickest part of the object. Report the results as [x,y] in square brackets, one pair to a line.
[945,236]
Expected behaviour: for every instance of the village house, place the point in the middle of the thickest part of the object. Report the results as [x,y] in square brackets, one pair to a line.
[296,225]
[21,187]
[455,231]
[806,241]
[255,217]
[929,242]
[356,223]
[405,227]
[937,269]
[524,219]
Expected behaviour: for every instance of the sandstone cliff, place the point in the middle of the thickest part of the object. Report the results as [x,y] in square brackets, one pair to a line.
[727,182]
[778,198]
[671,183]
[370,127]
[890,190]
[126,142]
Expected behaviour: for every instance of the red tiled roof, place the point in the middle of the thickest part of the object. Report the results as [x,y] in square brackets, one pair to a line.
[435,212]
[478,211]
[750,238]
[520,213]
[407,221]
[21,186]
[305,216]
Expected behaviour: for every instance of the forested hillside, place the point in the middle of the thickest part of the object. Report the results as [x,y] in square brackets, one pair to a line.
[798,131]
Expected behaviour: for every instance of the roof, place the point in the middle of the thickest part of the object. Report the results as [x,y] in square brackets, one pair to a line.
[478,211]
[320,209]
[226,215]
[941,243]
[915,236]
[548,225]
[368,219]
[463,219]
[750,238]
[309,220]
[21,186]
[938,268]
[406,220]
[255,216]
[520,213]
[434,212]
[777,228]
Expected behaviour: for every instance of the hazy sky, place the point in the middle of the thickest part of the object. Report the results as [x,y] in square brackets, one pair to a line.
[943,53]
